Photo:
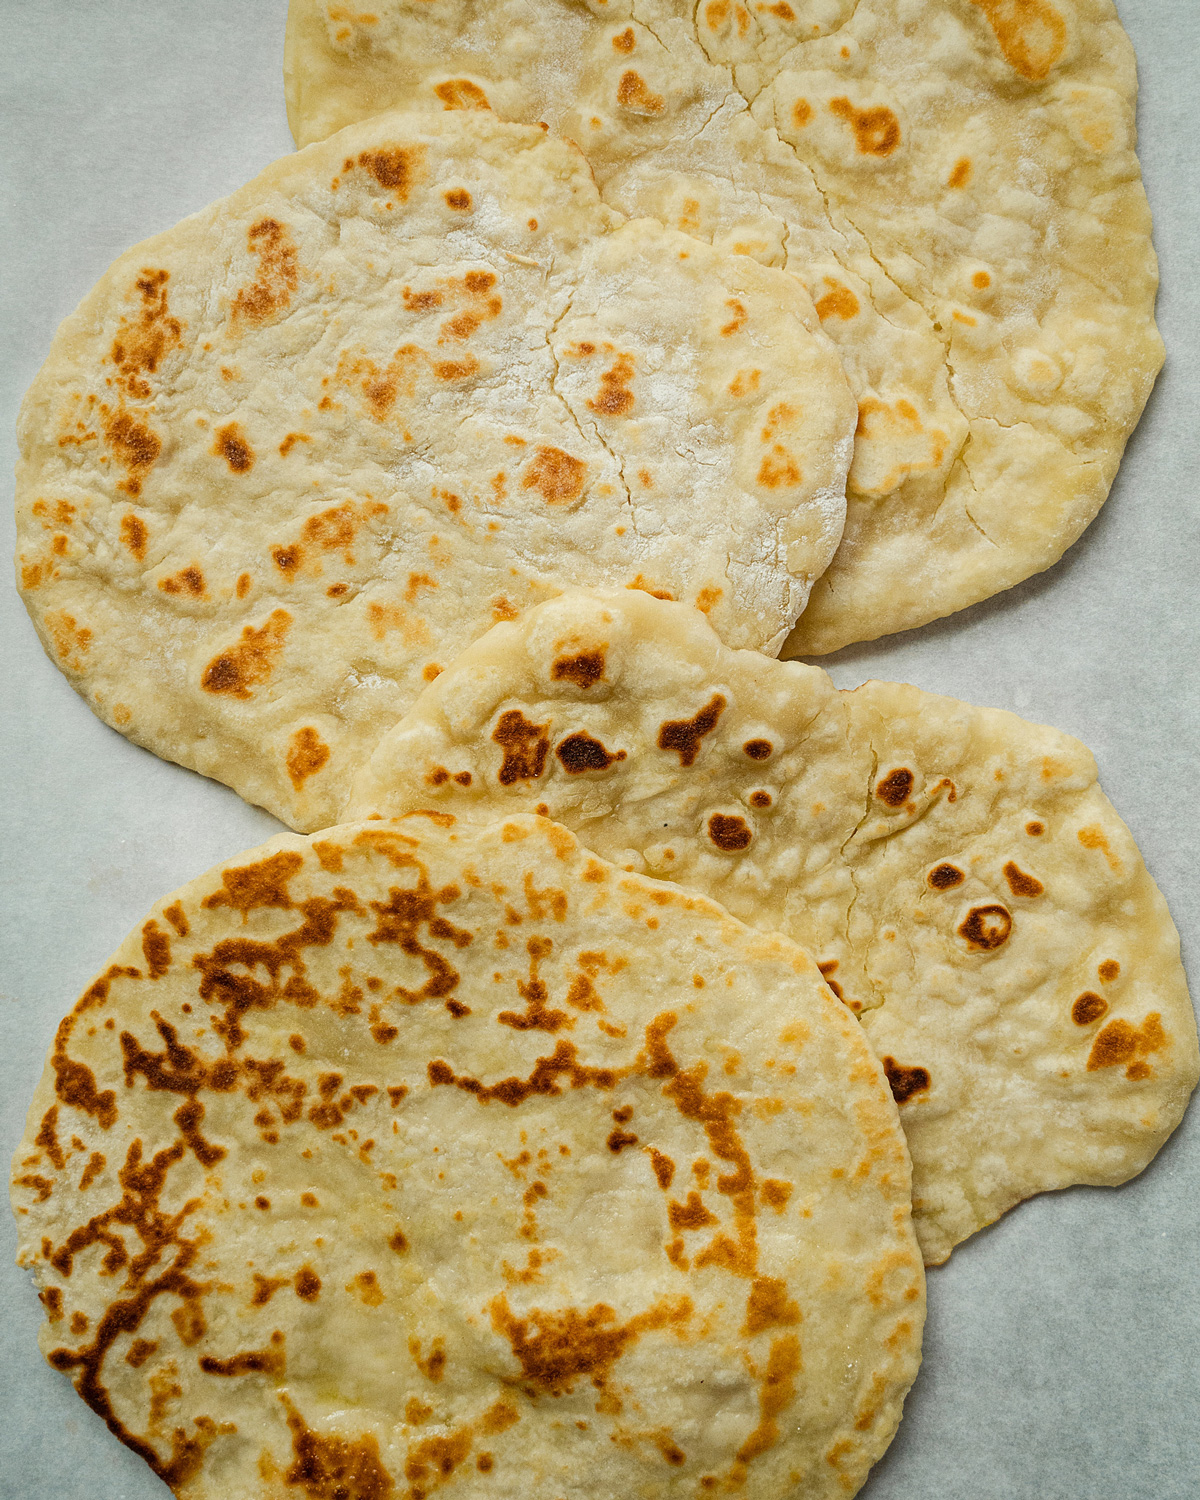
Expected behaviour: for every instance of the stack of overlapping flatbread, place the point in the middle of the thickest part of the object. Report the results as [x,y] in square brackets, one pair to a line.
[569,1107]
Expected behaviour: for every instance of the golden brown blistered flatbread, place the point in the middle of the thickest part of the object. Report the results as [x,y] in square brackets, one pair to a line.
[417,1156]
[959,876]
[288,458]
[955,183]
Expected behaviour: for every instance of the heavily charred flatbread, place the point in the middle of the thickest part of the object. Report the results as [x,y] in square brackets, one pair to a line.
[288,458]
[955,183]
[417,1155]
[958,874]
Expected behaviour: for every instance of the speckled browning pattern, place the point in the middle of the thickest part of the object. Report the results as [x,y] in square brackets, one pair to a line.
[288,458]
[417,1156]
[954,182]
[958,875]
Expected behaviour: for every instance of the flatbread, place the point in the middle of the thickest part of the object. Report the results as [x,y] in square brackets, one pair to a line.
[415,1156]
[955,183]
[288,458]
[958,874]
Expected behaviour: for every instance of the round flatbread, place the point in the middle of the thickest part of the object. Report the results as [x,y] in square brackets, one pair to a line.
[419,1155]
[288,458]
[955,183]
[959,876]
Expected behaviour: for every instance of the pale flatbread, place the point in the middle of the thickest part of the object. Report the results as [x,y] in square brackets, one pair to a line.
[288,458]
[955,183]
[417,1155]
[957,873]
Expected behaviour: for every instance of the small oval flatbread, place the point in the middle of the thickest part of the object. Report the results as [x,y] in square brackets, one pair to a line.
[416,1154]
[289,457]
[958,874]
[955,183]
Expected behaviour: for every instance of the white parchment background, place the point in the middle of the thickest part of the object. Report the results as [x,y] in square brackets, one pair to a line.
[1062,1357]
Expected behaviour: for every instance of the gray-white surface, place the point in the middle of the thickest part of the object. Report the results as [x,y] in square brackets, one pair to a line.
[1062,1357]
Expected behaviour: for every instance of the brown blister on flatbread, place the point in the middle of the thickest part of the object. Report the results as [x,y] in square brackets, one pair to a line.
[286,406]
[1032,34]
[920,169]
[189,580]
[461,93]
[905,1080]
[298,1223]
[894,788]
[278,272]
[584,669]
[684,736]
[307,754]
[524,746]
[580,752]
[232,446]
[249,663]
[1088,1007]
[557,476]
[876,131]
[141,342]
[396,168]
[965,886]
[730,831]
[134,445]
[986,928]
[615,397]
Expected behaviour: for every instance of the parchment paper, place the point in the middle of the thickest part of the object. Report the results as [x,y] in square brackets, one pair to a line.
[1061,1358]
